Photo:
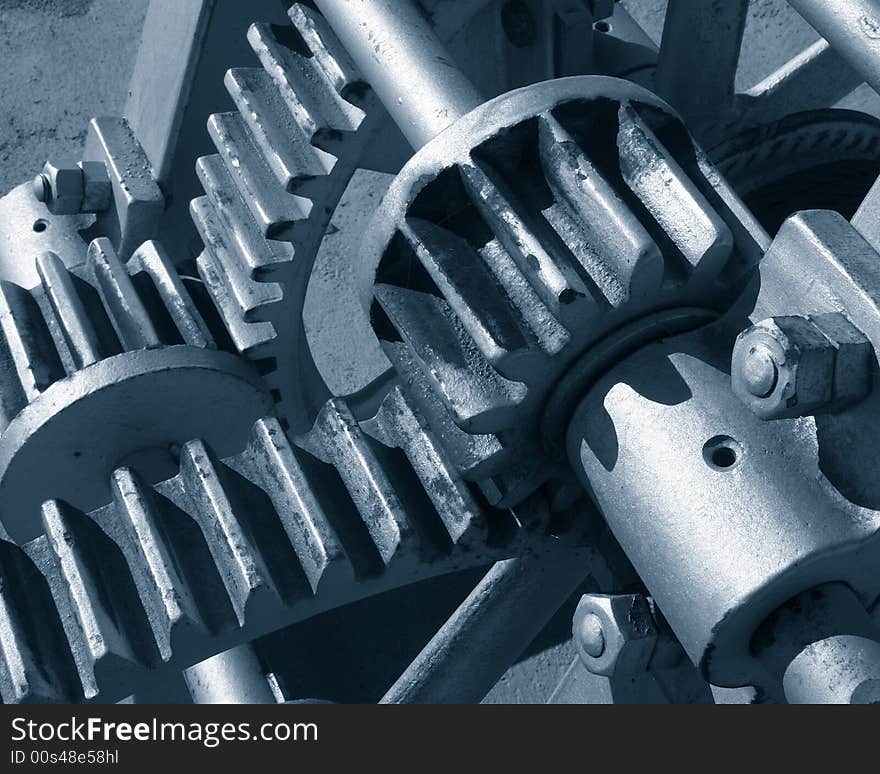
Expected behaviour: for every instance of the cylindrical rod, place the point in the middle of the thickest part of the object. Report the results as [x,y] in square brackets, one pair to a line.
[405,62]
[490,630]
[824,645]
[232,677]
[852,27]
[843,669]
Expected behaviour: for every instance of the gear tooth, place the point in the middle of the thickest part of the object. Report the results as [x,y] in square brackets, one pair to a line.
[470,387]
[250,338]
[250,297]
[471,452]
[284,146]
[103,618]
[262,257]
[35,665]
[470,290]
[546,330]
[609,241]
[274,210]
[299,509]
[366,482]
[127,332]
[246,572]
[68,312]
[311,96]
[551,274]
[126,311]
[153,563]
[31,361]
[674,201]
[461,516]
[150,259]
[326,49]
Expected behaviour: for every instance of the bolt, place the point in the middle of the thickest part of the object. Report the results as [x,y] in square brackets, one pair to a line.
[614,633]
[69,190]
[61,188]
[42,188]
[759,372]
[796,365]
[591,636]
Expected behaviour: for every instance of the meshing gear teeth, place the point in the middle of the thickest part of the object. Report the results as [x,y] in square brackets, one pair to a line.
[88,361]
[550,219]
[228,550]
[271,190]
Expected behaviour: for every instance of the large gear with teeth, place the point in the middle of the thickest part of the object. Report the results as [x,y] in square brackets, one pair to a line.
[166,575]
[303,124]
[285,158]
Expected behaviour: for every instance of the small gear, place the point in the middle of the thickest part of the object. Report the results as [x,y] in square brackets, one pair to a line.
[106,363]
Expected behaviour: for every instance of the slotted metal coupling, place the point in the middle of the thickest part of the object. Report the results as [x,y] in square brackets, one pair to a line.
[515,241]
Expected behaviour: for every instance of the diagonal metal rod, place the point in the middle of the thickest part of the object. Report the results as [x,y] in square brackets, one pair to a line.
[405,62]
[852,27]
[699,54]
[490,630]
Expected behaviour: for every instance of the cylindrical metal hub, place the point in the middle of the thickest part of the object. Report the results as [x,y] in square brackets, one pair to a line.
[724,516]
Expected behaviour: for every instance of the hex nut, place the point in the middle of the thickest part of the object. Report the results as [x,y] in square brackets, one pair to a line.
[628,633]
[854,360]
[795,366]
[64,187]
[97,189]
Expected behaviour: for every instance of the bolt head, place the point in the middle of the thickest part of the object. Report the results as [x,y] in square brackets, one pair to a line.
[795,366]
[590,635]
[614,633]
[759,372]
[41,188]
[803,361]
[64,189]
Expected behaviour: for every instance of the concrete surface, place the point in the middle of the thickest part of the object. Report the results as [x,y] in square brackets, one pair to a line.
[61,62]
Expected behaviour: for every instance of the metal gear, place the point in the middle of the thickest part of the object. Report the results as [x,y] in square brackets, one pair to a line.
[91,358]
[229,550]
[271,190]
[303,124]
[548,220]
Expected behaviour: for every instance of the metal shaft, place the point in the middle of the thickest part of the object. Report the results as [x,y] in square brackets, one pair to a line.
[824,644]
[405,62]
[852,27]
[232,677]
[696,32]
[490,630]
